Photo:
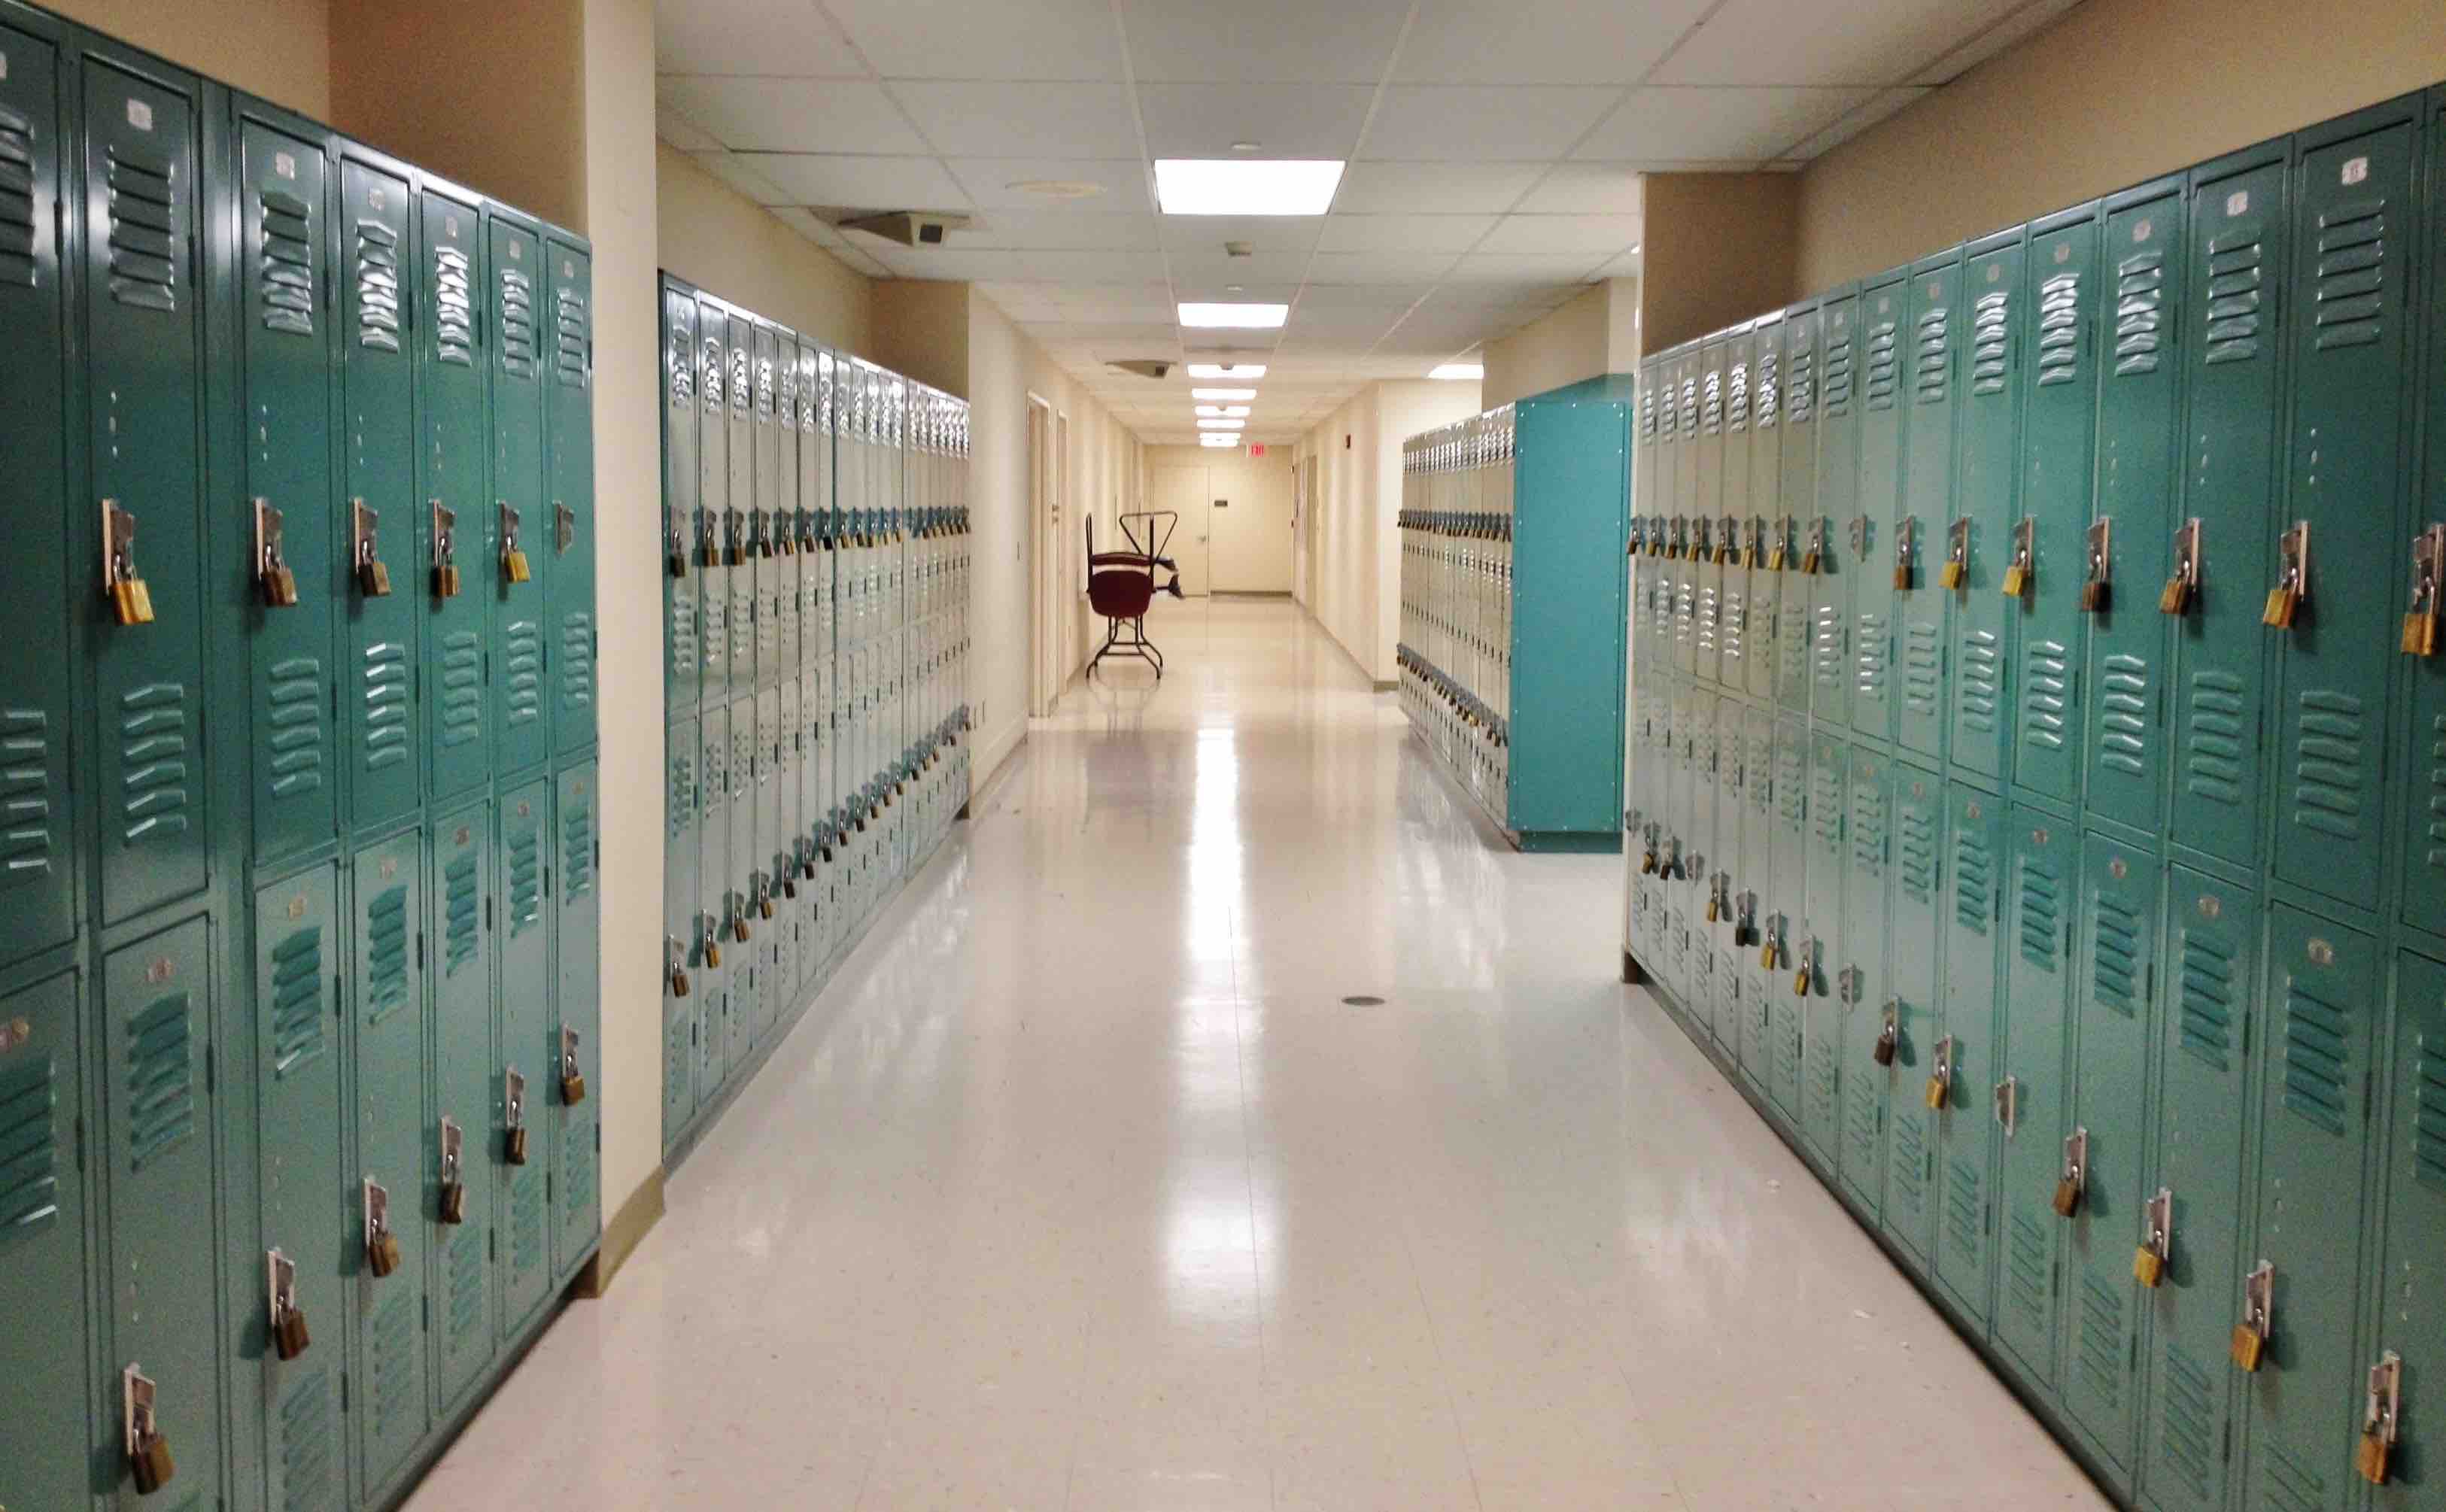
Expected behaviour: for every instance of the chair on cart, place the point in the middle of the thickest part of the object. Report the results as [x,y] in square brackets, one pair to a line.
[1121,585]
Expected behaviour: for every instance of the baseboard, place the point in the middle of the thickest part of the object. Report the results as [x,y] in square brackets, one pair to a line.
[622,1235]
[1348,655]
[1384,684]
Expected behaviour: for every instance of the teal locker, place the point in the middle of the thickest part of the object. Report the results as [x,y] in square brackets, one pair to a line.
[577,949]
[788,853]
[399,1143]
[2114,998]
[467,1079]
[1818,946]
[1764,611]
[764,879]
[159,1115]
[739,500]
[1699,859]
[569,451]
[2410,1322]
[1673,860]
[1751,899]
[1977,871]
[813,703]
[2042,894]
[146,388]
[2422,885]
[283,522]
[37,848]
[1691,505]
[1911,988]
[1825,536]
[519,571]
[1934,332]
[2326,985]
[765,454]
[1859,967]
[684,556]
[1796,506]
[2212,941]
[1733,629]
[684,977]
[748,929]
[455,529]
[521,1008]
[2236,252]
[2059,380]
[1732,756]
[716,533]
[1970,685]
[2350,274]
[44,1391]
[378,514]
[715,952]
[2139,457]
[1873,524]
[1642,461]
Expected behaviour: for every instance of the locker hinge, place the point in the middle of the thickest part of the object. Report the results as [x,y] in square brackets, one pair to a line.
[2149,983]
[598,1138]
[425,1306]
[420,950]
[79,1126]
[212,1072]
[344,1393]
[2227,1453]
[488,915]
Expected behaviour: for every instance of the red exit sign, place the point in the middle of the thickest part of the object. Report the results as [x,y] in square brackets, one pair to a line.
[1257,449]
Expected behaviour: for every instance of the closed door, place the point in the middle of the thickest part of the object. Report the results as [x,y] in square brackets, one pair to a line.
[1184,489]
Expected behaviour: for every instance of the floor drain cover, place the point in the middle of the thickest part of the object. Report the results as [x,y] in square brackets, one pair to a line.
[1362,1001]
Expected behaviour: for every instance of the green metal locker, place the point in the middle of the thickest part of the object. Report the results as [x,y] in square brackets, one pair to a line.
[2350,276]
[717,531]
[2411,1324]
[2326,987]
[1643,461]
[1691,504]
[1764,609]
[577,941]
[160,1112]
[683,936]
[1665,525]
[521,1009]
[281,525]
[400,1140]
[569,452]
[455,527]
[145,381]
[764,457]
[1859,969]
[518,575]
[739,500]
[764,878]
[43,1389]
[1825,539]
[1732,514]
[1750,900]
[790,898]
[2058,376]
[2043,1146]
[1795,507]
[2139,457]
[378,517]
[1817,949]
[38,869]
[715,954]
[2422,826]
[684,554]
[2114,983]
[1673,853]
[1701,858]
[1871,526]
[1937,361]
[746,959]
[467,1080]
[1970,685]
[1911,993]
[1977,872]
[2235,252]
[1731,767]
[2212,943]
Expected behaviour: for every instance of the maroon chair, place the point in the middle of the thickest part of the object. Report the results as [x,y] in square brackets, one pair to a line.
[1121,585]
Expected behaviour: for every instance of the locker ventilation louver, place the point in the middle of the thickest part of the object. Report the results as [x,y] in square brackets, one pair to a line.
[1922,662]
[306,1444]
[682,619]
[1648,412]
[679,803]
[2317,1050]
[1864,1137]
[2330,765]
[1883,363]
[2190,1427]
[295,703]
[1769,404]
[1933,366]
[1966,1215]
[2429,1117]
[2140,312]
[570,339]
[2289,1485]
[145,238]
[525,861]
[2059,329]
[1916,872]
[376,255]
[1736,398]
[2046,690]
[30,1147]
[25,817]
[298,1011]
[1825,806]
[2351,298]
[1802,392]
[1837,377]
[2100,1355]
[2213,753]
[2124,704]
[517,323]
[17,266]
[152,759]
[2435,829]
[398,1404]
[1973,879]
[387,947]
[2040,922]
[464,1280]
[285,229]
[1991,344]
[2207,1001]
[709,369]
[2029,1273]
[385,713]
[463,687]
[522,661]
[2115,975]
[527,1221]
[454,307]
[161,1084]
[463,914]
[577,851]
[1870,657]
[2234,299]
[577,660]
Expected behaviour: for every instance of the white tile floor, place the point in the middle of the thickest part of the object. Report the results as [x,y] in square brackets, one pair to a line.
[1081,1188]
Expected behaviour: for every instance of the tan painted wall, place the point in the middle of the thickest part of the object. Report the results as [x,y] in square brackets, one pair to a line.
[731,248]
[1716,249]
[1251,545]
[2041,127]
[920,327]
[280,49]
[1571,343]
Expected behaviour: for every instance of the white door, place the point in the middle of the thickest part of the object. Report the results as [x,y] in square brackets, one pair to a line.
[1184,489]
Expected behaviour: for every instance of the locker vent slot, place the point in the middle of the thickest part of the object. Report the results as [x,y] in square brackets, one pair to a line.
[465,1282]
[454,307]
[1965,1210]
[306,1443]
[1668,418]
[386,681]
[1908,1167]
[1803,390]
[2190,1429]
[2291,1485]
[714,628]
[577,1147]
[1974,879]
[387,947]
[682,620]
[709,370]
[2234,301]
[679,362]
[2039,919]
[2330,767]
[2140,312]
[765,376]
[2208,1004]
[1791,802]
[1991,343]
[679,804]
[1736,398]
[30,1148]
[526,1221]
[1826,805]
[296,700]
[526,880]
[25,757]
[2123,718]
[518,318]
[1870,657]
[2351,298]
[1869,830]
[1829,646]
[1690,405]
[577,660]
[1860,1133]
[2046,693]
[1792,639]
[2059,329]
[286,231]
[522,643]
[1647,413]
[569,338]
[463,914]
[1821,1057]
[1917,871]
[717,778]
[161,1079]
[2436,832]
[1922,660]
[297,1008]
[2115,971]
[576,849]
[1837,378]
[153,761]
[463,687]
[1932,366]
[2101,1352]
[2316,1055]
[1769,405]
[398,1404]
[2213,755]
[2029,1273]
[1884,364]
[145,239]
[377,266]
[2429,1117]
[17,266]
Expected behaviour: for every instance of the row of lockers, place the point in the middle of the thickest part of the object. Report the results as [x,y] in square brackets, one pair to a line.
[298,997]
[2046,838]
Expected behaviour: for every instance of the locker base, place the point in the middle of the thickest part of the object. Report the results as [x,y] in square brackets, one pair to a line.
[1633,974]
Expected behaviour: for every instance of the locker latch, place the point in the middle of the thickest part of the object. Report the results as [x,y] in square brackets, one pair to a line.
[760,532]
[734,526]
[1754,549]
[2258,1322]
[572,1076]
[284,1318]
[1677,538]
[1814,552]
[2022,571]
[452,1206]
[2008,1104]
[1728,542]
[131,602]
[365,550]
[2097,585]
[514,557]
[445,551]
[2381,1419]
[675,549]
[382,1245]
[1956,572]
[2184,587]
[1702,532]
[2428,567]
[564,527]
[1745,925]
[1906,552]
[1772,954]
[147,1447]
[272,578]
[514,1118]
[1890,1032]
[2157,1249]
[708,553]
[1847,983]
[2292,587]
[2072,1182]
[708,932]
[1779,546]
[1859,535]
[1637,533]
[1940,1077]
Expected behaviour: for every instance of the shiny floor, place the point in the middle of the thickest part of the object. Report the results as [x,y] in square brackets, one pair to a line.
[1083,1187]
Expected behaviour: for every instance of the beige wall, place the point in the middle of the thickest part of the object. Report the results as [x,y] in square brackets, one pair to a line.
[1716,249]
[920,327]
[733,248]
[1250,550]
[280,49]
[1598,332]
[2034,130]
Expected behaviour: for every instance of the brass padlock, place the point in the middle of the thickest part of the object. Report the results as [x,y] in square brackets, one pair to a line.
[2372,1459]
[2017,581]
[274,579]
[2282,605]
[2072,1180]
[131,602]
[2381,1420]
[147,1447]
[152,1465]
[2098,587]
[2067,1200]
[739,929]
[289,1335]
[1950,574]
[513,558]
[2428,592]
[288,1320]
[1940,1081]
[2250,1348]
[1714,910]
[1888,1045]
[382,1245]
[446,546]
[572,1076]
[2149,1267]
[514,1118]
[2095,597]
[373,577]
[514,1149]
[2293,578]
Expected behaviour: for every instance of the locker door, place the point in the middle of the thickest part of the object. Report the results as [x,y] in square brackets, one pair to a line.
[1732,514]
[717,543]
[1707,783]
[680,844]
[286,367]
[1817,948]
[772,922]
[466,1064]
[2325,987]
[1823,524]
[1976,875]
[1912,1127]
[1935,332]
[43,1389]
[747,970]
[741,502]
[764,458]
[2410,1322]
[2423,757]
[1752,900]
[1859,969]
[147,389]
[2113,997]
[1732,777]
[713,953]
[454,441]
[522,734]
[2040,903]
[37,848]
[397,1147]
[1870,530]
[813,752]
[1643,459]
[1674,850]
[2213,968]
[1794,505]
[787,530]
[530,1042]
[2350,273]
[160,1112]
[1974,705]
[2138,455]
[568,533]
[787,851]
[1765,606]
[683,565]
[2236,252]
[2057,377]
[377,518]
[1663,516]
[577,942]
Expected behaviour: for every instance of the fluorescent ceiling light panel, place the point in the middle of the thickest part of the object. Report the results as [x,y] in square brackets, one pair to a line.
[1457,371]
[1250,371]
[1203,316]
[1219,440]
[1245,186]
[1221,425]
[1223,411]
[1223,396]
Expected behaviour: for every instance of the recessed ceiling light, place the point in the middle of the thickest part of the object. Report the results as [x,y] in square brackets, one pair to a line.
[1219,440]
[1211,315]
[1249,370]
[1277,186]
[1247,147]
[1223,394]
[1222,426]
[1224,411]
[1235,288]
[1454,372]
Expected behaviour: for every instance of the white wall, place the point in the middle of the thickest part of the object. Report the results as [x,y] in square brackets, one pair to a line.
[1250,549]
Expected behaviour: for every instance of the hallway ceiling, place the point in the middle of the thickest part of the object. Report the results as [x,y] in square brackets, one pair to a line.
[1494,150]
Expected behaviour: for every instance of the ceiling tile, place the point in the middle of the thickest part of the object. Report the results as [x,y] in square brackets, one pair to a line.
[1021,301]
[1775,42]
[740,175]
[1560,235]
[1264,234]
[959,39]
[2021,25]
[750,37]
[989,182]
[1372,298]
[1436,123]
[940,262]
[1080,229]
[671,127]
[1022,119]
[1586,189]
[867,183]
[1547,269]
[1095,267]
[791,114]
[1262,41]
[1735,124]
[1210,269]
[1548,41]
[1886,103]
[1378,268]
[1286,121]
[1403,232]
[1433,187]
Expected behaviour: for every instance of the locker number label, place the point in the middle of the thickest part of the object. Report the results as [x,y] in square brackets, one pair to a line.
[2356,169]
[297,906]
[389,868]
[140,115]
[2237,203]
[284,164]
[3,66]
[15,1033]
[2321,953]
[2211,907]
[2142,231]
